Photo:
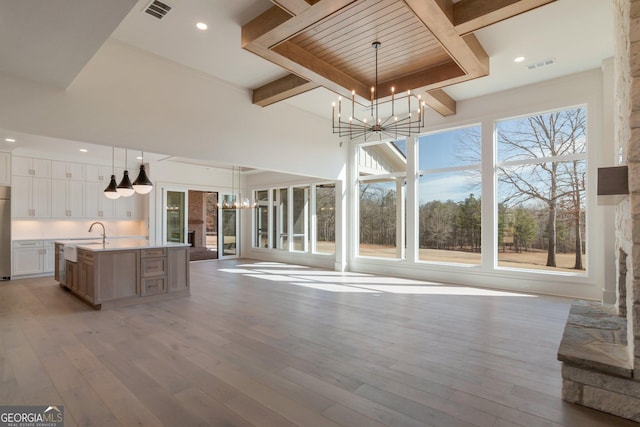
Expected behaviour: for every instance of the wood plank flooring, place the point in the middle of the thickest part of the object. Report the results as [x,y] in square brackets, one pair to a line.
[265,344]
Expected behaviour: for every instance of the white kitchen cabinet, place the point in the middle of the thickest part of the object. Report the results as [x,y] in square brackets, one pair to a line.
[97,205]
[96,173]
[33,257]
[67,170]
[31,197]
[5,168]
[49,255]
[130,207]
[67,198]
[27,166]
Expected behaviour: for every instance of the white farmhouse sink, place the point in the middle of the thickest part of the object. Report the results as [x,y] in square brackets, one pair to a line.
[70,253]
[71,250]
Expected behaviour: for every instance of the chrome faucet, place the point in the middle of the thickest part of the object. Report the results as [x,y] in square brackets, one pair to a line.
[104,233]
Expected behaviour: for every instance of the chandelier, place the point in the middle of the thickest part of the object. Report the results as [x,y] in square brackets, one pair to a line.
[233,201]
[375,127]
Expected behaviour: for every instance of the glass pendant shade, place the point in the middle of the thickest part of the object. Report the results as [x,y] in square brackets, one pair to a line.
[125,188]
[142,184]
[112,189]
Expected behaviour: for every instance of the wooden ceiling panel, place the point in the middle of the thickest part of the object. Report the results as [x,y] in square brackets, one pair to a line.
[426,44]
[407,46]
[352,18]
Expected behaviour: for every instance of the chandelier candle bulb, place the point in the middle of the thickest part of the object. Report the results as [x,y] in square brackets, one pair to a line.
[392,93]
[353,104]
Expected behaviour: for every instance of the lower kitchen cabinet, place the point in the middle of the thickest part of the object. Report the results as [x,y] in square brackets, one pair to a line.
[178,269]
[31,257]
[116,275]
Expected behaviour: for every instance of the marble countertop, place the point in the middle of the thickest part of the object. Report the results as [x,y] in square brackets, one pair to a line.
[118,244]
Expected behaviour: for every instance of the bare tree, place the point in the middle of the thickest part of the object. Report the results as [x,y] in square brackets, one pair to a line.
[545,138]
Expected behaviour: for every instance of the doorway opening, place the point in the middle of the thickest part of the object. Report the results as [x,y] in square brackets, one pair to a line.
[203,225]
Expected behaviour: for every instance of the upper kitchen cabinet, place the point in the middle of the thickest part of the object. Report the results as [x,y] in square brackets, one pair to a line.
[5,168]
[67,198]
[97,205]
[130,207]
[27,166]
[31,187]
[31,197]
[96,173]
[67,170]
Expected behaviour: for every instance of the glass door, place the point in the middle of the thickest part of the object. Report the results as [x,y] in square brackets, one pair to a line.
[228,237]
[175,217]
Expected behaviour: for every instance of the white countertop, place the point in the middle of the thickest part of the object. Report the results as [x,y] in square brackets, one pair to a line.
[119,244]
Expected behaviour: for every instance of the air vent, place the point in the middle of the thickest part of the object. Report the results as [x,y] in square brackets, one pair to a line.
[542,64]
[158,9]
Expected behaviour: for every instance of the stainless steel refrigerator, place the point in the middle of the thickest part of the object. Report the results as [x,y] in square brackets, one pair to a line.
[5,233]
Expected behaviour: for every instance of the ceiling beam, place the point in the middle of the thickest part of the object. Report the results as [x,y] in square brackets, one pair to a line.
[471,15]
[439,101]
[294,7]
[271,30]
[321,72]
[261,25]
[283,88]
[467,52]
[431,78]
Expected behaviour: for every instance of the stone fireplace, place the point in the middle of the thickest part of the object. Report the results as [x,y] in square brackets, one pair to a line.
[600,349]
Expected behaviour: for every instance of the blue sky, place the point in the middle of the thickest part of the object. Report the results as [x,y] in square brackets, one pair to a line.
[443,150]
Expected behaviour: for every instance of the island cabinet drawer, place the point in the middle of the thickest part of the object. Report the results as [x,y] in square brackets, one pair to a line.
[153,252]
[154,285]
[153,266]
[85,256]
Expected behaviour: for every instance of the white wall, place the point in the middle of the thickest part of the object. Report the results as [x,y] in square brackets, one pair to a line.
[125,97]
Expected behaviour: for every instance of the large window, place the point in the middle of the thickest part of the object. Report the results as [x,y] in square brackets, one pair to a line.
[541,181]
[325,218]
[535,179]
[300,217]
[449,198]
[262,219]
[382,173]
[284,216]
[280,219]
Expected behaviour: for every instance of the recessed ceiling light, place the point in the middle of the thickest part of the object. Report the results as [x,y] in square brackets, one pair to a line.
[202,26]
[139,157]
[518,59]
[10,140]
[83,150]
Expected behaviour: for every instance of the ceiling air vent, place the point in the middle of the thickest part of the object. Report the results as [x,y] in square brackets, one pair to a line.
[158,9]
[540,64]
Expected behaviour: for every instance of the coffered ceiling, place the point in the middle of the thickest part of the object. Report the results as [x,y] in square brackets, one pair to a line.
[425,45]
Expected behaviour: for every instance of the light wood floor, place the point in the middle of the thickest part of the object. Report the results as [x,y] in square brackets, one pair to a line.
[267,345]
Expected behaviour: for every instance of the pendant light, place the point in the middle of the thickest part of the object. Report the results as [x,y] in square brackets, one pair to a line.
[125,188]
[142,184]
[111,191]
[235,200]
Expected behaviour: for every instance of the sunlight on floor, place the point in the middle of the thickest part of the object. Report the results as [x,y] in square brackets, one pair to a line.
[335,281]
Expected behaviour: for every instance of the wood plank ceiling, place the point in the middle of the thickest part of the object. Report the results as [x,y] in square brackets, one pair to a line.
[426,45]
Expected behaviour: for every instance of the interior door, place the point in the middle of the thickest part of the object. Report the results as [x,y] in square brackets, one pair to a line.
[174,228]
[228,233]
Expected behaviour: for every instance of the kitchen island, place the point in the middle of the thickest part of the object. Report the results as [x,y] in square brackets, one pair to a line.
[122,271]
